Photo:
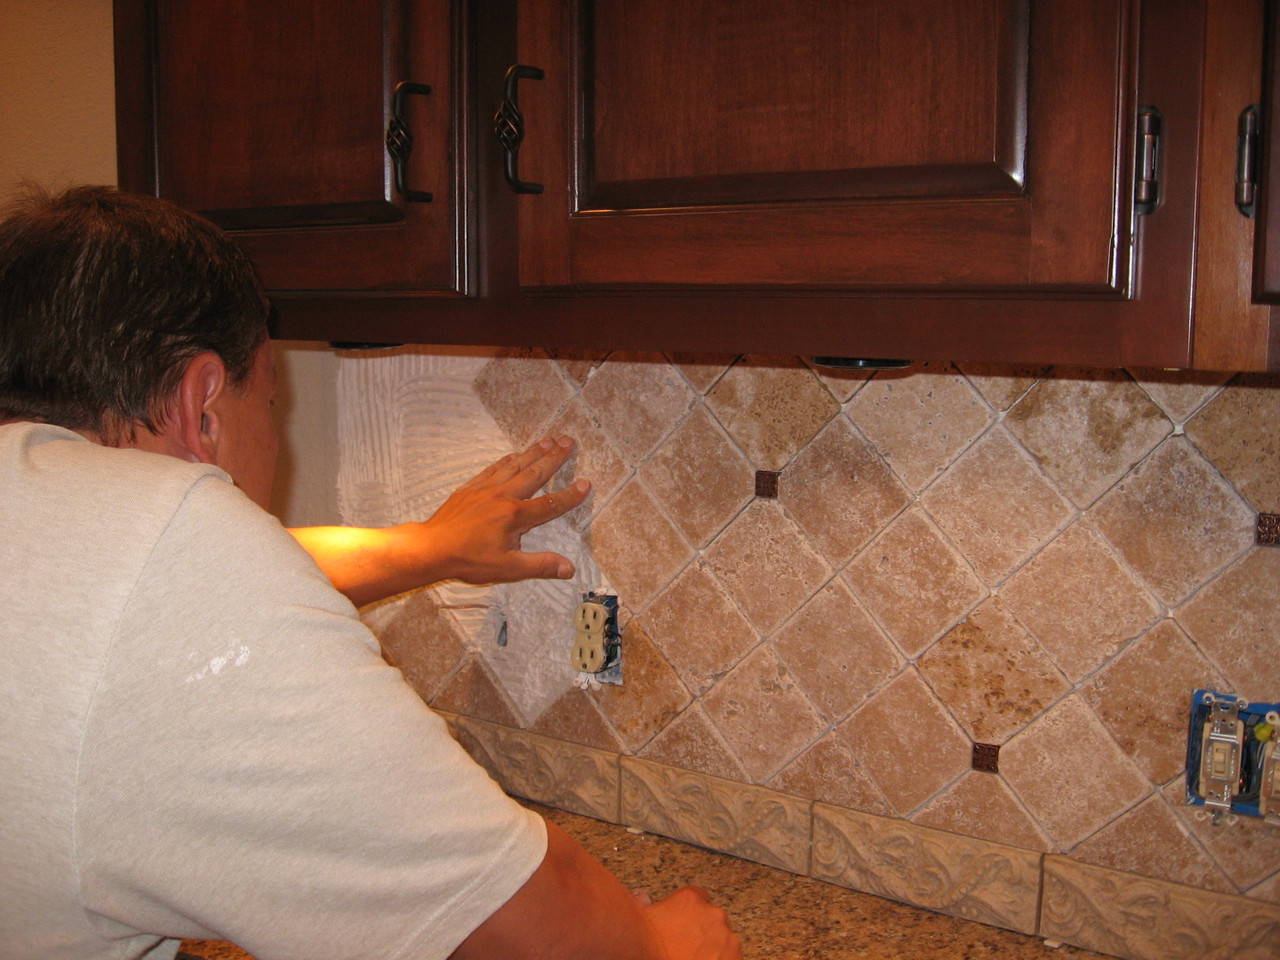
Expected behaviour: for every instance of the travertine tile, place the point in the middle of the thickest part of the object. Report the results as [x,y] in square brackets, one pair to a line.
[962,877]
[1081,603]
[828,771]
[1240,434]
[522,390]
[996,506]
[1130,916]
[698,628]
[594,458]
[651,695]
[420,638]
[835,651]
[575,718]
[1246,848]
[637,547]
[691,741]
[840,491]
[771,407]
[474,692]
[563,775]
[919,422]
[1070,773]
[1180,393]
[992,674]
[913,583]
[700,477]
[1268,890]
[1233,620]
[982,806]
[1147,711]
[843,383]
[702,370]
[577,364]
[1175,498]
[761,686]
[638,398]
[748,822]
[1150,841]
[766,564]
[1087,431]
[907,742]
[1002,384]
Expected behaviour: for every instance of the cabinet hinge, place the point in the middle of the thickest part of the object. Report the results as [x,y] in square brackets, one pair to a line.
[1247,161]
[1146,188]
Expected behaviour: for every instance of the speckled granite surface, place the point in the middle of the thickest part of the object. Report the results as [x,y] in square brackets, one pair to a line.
[779,915]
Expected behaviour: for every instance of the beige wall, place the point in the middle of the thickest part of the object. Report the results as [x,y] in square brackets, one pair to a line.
[57,128]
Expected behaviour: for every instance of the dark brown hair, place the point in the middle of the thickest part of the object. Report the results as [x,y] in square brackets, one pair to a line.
[104,298]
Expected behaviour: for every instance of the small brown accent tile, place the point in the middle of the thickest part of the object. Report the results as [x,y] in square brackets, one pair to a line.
[986,757]
[767,484]
[766,564]
[1268,531]
[1174,499]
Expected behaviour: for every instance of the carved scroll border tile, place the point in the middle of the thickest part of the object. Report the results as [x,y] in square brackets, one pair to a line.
[959,876]
[1144,919]
[746,821]
[562,775]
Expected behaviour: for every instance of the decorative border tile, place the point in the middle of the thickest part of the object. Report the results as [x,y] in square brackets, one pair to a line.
[562,775]
[744,821]
[960,876]
[1144,919]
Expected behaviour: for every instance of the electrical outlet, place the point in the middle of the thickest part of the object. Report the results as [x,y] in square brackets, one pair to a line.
[597,645]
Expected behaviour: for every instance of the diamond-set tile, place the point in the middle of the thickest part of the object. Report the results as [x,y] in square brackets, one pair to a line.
[637,547]
[1087,430]
[771,408]
[981,805]
[638,398]
[523,391]
[1239,432]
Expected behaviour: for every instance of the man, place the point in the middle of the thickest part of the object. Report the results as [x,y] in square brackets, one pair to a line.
[198,737]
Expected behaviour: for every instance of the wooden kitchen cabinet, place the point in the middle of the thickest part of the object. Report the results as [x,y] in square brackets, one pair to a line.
[951,179]
[270,119]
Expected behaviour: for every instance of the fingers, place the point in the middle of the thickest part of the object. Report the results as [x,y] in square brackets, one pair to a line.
[538,464]
[559,503]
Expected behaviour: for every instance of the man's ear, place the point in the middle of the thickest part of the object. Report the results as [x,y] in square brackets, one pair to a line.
[195,423]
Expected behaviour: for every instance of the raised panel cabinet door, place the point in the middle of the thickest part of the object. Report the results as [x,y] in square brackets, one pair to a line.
[945,146]
[273,120]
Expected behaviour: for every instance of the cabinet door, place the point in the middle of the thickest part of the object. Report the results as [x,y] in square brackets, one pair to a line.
[941,146]
[270,118]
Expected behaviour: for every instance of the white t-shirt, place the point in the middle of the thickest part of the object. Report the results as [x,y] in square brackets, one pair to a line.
[198,737]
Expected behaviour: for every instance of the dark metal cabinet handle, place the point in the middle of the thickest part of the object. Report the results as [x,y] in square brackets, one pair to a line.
[400,139]
[1247,140]
[509,126]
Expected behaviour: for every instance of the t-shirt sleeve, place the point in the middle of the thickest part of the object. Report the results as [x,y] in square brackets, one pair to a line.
[253,770]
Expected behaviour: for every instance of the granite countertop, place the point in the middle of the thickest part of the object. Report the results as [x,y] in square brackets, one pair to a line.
[778,915]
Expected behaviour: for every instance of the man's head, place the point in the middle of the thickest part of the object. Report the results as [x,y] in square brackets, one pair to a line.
[126,318]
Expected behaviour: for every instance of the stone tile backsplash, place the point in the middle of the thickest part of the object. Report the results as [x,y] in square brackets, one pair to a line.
[1044,560]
